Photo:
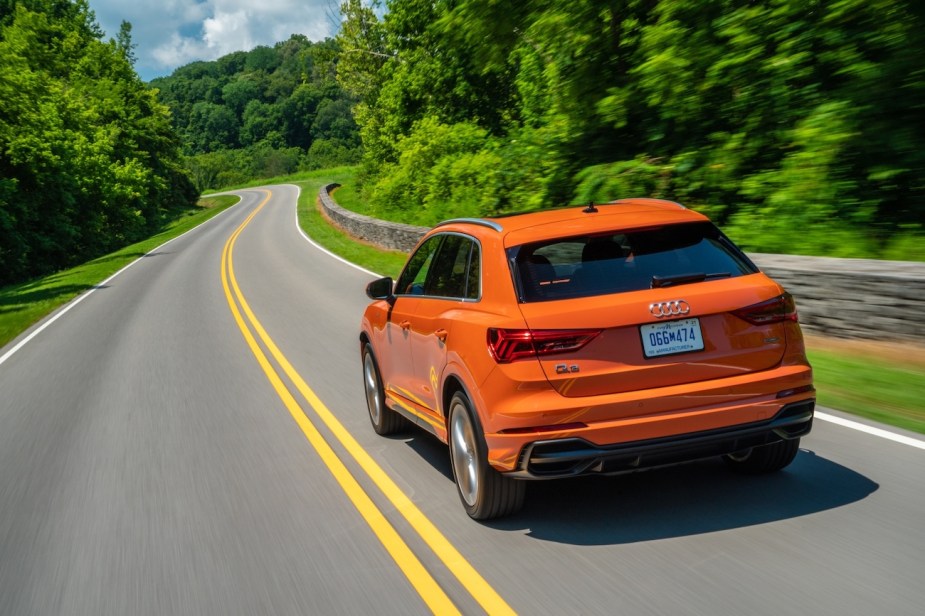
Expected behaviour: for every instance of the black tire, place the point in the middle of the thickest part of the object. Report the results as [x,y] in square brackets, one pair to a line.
[385,421]
[485,493]
[764,459]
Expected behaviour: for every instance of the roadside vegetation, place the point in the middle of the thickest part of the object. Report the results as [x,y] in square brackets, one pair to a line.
[89,161]
[796,125]
[261,113]
[883,382]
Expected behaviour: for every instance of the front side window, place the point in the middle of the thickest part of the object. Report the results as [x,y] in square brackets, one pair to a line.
[624,261]
[412,279]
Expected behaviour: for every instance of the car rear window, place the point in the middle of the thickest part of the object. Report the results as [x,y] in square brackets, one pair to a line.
[622,261]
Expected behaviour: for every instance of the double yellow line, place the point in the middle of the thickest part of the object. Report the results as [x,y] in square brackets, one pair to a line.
[421,579]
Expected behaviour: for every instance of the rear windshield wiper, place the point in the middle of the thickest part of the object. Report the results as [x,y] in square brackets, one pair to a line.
[671,281]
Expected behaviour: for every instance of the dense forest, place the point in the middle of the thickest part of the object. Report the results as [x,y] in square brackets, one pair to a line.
[797,124]
[262,113]
[89,160]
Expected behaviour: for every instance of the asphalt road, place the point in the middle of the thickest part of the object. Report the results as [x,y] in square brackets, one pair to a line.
[155,459]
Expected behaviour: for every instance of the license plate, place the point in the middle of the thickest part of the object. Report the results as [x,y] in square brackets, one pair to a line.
[671,337]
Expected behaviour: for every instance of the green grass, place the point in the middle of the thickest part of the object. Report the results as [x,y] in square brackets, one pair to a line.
[871,387]
[384,262]
[23,304]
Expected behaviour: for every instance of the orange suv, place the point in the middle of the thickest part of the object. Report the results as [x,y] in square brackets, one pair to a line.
[596,340]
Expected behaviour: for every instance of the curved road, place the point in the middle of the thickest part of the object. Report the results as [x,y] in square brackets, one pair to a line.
[191,438]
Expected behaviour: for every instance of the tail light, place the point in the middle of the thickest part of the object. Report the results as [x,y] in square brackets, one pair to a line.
[777,310]
[507,345]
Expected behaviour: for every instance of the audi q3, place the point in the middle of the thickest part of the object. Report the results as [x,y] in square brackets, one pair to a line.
[603,339]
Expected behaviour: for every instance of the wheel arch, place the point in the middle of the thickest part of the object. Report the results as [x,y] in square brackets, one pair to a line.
[451,385]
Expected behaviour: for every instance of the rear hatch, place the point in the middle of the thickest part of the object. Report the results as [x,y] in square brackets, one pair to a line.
[660,307]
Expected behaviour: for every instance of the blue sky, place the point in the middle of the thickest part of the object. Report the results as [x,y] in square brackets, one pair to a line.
[171,33]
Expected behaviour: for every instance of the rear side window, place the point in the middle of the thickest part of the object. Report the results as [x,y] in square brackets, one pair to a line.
[622,261]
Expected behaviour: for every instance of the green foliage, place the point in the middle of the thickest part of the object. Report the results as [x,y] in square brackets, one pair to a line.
[262,113]
[772,116]
[88,158]
[214,170]
[602,183]
[326,153]
[285,96]
[438,164]
[906,245]
[364,52]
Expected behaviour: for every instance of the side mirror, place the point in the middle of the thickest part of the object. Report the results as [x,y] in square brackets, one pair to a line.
[380,289]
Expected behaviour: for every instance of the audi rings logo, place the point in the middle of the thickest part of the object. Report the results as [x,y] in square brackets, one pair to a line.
[674,308]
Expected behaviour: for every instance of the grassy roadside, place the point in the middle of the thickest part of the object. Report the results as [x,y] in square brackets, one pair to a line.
[26,303]
[883,382]
[384,262]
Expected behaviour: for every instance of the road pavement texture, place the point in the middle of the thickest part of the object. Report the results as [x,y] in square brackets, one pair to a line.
[192,438]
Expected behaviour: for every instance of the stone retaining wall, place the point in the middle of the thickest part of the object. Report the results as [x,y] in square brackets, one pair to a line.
[388,235]
[853,298]
[847,298]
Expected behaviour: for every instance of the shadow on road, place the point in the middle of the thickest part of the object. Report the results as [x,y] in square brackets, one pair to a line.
[697,498]
[11,304]
[692,499]
[432,450]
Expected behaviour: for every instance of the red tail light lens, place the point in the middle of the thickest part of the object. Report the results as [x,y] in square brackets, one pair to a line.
[777,310]
[507,345]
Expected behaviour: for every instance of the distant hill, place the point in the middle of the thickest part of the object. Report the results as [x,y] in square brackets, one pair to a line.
[270,99]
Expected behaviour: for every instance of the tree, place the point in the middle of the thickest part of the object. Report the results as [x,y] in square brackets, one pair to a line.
[266,95]
[212,127]
[124,42]
[88,158]
[769,114]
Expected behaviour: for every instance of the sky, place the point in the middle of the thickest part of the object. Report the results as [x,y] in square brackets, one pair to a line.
[170,33]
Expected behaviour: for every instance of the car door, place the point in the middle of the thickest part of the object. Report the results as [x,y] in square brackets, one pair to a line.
[398,373]
[453,281]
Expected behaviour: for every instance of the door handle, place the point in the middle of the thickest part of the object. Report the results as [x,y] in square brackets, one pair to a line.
[441,334]
[405,325]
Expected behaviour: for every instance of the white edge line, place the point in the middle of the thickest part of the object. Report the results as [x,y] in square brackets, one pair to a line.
[847,423]
[854,425]
[67,307]
[322,248]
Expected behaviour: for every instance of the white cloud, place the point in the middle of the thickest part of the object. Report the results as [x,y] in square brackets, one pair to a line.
[171,33]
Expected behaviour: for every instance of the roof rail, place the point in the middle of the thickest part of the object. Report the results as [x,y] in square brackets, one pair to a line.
[473,221]
[647,200]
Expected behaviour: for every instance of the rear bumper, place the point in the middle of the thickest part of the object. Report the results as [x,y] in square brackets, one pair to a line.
[550,459]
